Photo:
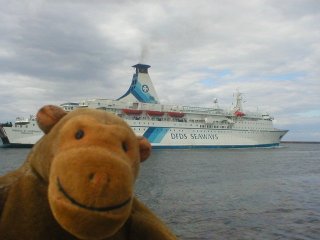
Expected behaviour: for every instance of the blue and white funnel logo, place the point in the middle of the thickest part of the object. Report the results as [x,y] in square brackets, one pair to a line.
[145,88]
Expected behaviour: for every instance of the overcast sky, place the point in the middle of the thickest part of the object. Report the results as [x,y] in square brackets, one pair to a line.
[56,51]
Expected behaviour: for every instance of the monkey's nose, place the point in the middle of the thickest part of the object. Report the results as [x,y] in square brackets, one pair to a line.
[99,180]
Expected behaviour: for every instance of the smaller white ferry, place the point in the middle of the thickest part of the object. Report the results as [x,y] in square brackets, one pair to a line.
[166,126]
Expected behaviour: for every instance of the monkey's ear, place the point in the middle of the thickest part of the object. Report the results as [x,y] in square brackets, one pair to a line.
[48,116]
[145,148]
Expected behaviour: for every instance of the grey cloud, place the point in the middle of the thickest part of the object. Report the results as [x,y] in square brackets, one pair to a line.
[55,51]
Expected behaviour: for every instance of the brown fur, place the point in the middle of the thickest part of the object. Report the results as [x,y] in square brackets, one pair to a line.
[78,181]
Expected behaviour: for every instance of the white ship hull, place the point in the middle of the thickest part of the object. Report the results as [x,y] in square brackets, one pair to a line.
[199,138]
[22,137]
[182,135]
[167,126]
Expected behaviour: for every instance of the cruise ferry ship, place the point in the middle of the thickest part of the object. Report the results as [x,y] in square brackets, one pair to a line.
[166,126]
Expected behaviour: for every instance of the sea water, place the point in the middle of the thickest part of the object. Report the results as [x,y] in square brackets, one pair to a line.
[228,194]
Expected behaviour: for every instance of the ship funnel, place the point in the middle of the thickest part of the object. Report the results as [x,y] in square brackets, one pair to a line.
[141,88]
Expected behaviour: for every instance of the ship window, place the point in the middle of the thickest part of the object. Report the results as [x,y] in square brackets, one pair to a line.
[143,70]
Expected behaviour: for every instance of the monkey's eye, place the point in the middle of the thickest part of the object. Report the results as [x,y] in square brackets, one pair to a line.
[125,147]
[79,134]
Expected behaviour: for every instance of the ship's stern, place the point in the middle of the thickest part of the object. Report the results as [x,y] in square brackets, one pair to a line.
[3,135]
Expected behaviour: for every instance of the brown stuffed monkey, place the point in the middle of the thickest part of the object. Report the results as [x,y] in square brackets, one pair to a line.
[78,182]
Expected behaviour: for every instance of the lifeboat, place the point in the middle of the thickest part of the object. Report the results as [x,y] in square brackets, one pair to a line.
[176,114]
[239,114]
[132,111]
[154,113]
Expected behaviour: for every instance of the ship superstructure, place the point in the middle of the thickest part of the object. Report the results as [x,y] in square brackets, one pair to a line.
[168,126]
